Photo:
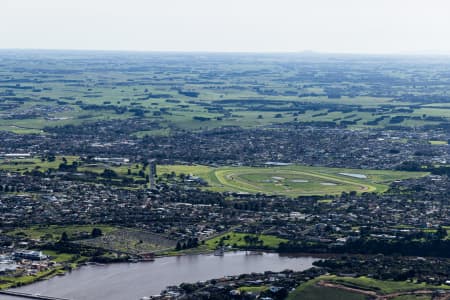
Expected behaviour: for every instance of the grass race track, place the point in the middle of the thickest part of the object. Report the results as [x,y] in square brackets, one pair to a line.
[291,180]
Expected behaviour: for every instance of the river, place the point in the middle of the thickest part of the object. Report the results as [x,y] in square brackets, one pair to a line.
[135,280]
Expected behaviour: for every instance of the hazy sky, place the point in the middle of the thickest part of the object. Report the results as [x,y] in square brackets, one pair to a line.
[367,26]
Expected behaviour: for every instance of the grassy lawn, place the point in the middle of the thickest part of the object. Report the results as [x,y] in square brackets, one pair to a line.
[238,240]
[8,282]
[383,286]
[291,180]
[253,289]
[65,257]
[53,232]
[309,291]
[35,163]
[438,142]
[29,164]
[60,257]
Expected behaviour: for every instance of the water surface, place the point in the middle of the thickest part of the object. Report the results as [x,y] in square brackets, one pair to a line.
[134,280]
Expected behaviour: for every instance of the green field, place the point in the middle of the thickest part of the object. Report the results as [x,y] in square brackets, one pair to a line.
[320,293]
[53,232]
[291,180]
[33,163]
[23,165]
[253,289]
[245,90]
[235,239]
[383,286]
[438,143]
[311,291]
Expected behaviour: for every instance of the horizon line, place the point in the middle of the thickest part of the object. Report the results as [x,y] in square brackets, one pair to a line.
[304,52]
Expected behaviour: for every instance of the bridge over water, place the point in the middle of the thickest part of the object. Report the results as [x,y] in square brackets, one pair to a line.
[29,296]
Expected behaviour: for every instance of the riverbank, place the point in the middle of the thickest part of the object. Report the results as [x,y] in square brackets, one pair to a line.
[7,282]
[58,265]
